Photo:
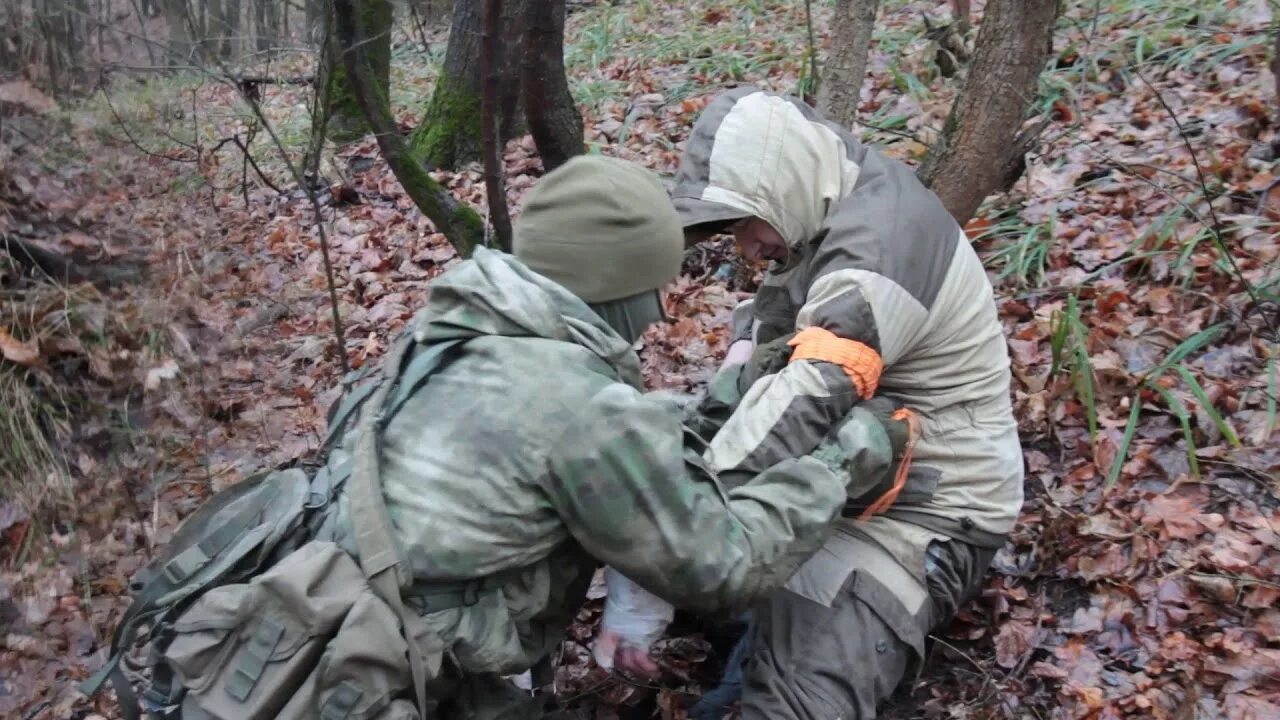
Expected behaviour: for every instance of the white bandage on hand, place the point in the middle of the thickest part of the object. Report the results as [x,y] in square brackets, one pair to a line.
[739,353]
[633,617]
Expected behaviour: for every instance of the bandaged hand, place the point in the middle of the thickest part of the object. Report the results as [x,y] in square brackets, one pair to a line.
[738,353]
[633,620]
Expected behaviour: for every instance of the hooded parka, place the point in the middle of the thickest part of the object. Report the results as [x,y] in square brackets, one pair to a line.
[873,258]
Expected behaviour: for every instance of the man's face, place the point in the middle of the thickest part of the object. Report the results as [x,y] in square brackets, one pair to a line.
[757,240]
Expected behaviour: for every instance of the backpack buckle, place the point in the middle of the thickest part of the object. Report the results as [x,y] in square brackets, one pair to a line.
[185,564]
[156,699]
[253,658]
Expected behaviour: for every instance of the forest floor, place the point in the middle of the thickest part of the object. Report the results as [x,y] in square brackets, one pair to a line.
[1135,267]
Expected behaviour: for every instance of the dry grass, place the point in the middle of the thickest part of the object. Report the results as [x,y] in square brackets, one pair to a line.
[35,402]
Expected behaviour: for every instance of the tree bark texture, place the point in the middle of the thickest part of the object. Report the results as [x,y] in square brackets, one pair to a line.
[321,103]
[449,134]
[553,116]
[228,32]
[64,28]
[433,13]
[851,29]
[178,23]
[1275,69]
[458,222]
[266,15]
[346,120]
[315,12]
[494,177]
[981,145]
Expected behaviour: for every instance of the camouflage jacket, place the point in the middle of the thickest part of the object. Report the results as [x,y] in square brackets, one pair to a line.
[533,456]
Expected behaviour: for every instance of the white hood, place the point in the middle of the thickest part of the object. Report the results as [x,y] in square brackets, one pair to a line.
[758,154]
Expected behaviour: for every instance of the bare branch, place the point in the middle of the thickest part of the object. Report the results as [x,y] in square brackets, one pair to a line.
[1215,228]
[459,223]
[494,182]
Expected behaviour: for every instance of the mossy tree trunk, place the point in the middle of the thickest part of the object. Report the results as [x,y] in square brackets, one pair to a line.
[449,135]
[459,223]
[345,119]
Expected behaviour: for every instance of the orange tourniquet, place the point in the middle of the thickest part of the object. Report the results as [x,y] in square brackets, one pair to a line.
[862,364]
[883,502]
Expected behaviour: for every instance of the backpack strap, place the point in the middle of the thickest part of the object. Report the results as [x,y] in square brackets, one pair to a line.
[411,378]
[350,404]
[380,555]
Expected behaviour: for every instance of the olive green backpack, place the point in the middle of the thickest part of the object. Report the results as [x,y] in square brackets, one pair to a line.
[252,612]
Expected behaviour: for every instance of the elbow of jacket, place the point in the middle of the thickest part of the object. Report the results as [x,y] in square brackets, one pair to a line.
[720,586]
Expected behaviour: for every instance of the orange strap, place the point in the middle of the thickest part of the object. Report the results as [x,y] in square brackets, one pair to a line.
[862,364]
[884,502]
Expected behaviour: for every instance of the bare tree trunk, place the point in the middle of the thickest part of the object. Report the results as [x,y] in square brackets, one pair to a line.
[143,9]
[553,117]
[961,12]
[13,39]
[841,89]
[514,15]
[179,24]
[207,38]
[314,19]
[199,24]
[458,222]
[494,179]
[270,13]
[101,18]
[981,149]
[230,29]
[261,31]
[321,102]
[433,12]
[346,119]
[63,26]
[1275,70]
[449,134]
[223,28]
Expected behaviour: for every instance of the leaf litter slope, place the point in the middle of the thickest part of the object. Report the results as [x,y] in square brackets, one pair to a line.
[1142,579]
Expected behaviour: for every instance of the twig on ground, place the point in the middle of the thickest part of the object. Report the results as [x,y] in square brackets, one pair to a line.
[244,148]
[1031,651]
[124,128]
[1215,228]
[338,330]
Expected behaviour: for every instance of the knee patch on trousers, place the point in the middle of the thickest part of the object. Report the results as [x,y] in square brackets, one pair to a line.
[840,661]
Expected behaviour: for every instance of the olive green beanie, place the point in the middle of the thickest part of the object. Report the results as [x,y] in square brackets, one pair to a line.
[601,227]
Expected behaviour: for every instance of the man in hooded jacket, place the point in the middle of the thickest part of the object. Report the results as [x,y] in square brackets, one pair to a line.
[872,287]
[533,456]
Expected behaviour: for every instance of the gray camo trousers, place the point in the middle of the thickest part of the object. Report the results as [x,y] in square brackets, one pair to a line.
[810,661]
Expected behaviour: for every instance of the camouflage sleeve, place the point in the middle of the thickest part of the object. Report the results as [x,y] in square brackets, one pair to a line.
[716,404]
[628,490]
